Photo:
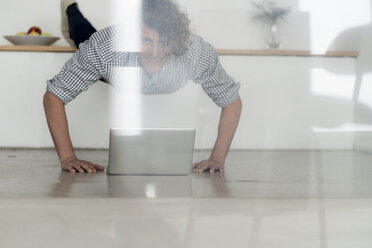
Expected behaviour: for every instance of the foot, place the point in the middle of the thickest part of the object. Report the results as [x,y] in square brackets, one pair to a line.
[64,23]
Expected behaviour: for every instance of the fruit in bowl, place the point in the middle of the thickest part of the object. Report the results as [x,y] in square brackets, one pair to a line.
[33,30]
[33,33]
[34,37]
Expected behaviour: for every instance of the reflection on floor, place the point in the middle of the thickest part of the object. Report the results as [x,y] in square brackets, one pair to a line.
[265,199]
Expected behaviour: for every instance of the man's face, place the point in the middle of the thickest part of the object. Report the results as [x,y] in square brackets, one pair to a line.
[153,52]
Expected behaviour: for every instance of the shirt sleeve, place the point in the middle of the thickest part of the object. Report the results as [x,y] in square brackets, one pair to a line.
[209,73]
[77,74]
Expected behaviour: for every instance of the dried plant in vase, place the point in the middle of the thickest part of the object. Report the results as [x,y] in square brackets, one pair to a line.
[270,13]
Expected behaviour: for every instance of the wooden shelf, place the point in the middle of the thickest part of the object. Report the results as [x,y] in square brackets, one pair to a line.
[287,53]
[234,52]
[38,49]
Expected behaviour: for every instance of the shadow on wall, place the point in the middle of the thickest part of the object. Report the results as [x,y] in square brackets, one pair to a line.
[361,36]
[337,91]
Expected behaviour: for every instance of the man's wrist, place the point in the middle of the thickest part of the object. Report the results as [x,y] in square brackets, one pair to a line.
[218,158]
[68,158]
[219,153]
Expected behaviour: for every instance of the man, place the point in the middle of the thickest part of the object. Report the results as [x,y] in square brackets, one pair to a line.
[170,56]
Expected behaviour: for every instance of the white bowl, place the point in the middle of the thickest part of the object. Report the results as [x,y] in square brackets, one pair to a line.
[31,40]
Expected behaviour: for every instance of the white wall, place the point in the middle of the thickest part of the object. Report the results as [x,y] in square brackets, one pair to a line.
[280,107]
[359,37]
[289,102]
[363,91]
[226,24]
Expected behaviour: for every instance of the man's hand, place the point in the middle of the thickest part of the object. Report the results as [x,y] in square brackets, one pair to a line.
[73,164]
[209,164]
[229,120]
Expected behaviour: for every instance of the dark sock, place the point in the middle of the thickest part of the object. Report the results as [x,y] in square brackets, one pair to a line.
[72,9]
[79,27]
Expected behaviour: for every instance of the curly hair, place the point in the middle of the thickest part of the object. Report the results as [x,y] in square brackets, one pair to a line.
[165,17]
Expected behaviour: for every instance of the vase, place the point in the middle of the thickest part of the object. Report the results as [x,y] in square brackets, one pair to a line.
[272,36]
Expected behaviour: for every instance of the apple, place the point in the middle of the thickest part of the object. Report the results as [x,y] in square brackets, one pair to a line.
[34,29]
[21,33]
[34,33]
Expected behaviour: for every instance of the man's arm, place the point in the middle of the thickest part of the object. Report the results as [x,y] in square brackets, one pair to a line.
[229,119]
[58,126]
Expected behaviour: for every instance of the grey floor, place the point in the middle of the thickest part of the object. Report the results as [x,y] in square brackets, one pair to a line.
[264,199]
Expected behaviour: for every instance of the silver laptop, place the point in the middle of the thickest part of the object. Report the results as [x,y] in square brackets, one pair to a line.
[151,151]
